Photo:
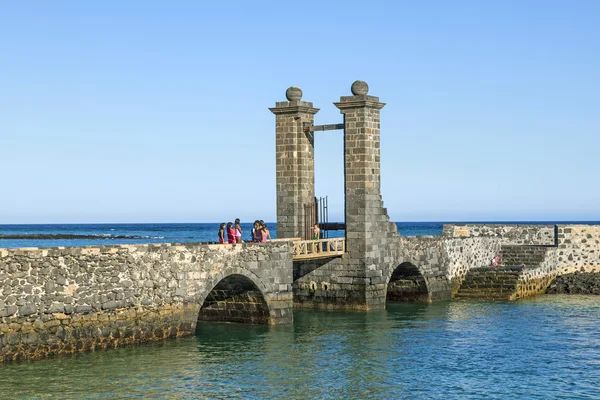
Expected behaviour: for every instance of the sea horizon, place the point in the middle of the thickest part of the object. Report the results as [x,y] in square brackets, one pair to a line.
[95,234]
[490,221]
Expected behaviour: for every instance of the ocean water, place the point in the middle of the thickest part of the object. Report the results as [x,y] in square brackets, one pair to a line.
[105,234]
[546,347]
[155,233]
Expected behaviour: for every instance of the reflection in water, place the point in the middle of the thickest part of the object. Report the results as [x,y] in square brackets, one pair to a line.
[547,347]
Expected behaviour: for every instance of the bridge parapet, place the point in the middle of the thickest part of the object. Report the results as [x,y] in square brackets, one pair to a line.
[517,234]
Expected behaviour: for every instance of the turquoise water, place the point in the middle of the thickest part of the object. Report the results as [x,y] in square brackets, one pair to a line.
[547,347]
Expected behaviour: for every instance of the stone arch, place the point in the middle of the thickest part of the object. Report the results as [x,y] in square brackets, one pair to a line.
[235,295]
[406,282]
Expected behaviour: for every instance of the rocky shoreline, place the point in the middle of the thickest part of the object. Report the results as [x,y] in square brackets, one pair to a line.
[577,283]
[39,236]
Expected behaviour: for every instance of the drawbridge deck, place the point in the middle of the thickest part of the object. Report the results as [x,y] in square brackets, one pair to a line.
[318,248]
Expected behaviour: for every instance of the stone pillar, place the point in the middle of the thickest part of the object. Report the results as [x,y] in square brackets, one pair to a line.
[369,234]
[295,162]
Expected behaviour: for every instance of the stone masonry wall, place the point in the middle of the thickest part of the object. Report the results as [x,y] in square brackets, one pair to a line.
[507,233]
[441,262]
[328,284]
[466,253]
[63,300]
[445,262]
[529,272]
[535,279]
[427,253]
[527,256]
[578,248]
[485,283]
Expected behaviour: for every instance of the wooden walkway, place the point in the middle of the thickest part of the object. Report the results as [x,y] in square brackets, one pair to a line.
[321,248]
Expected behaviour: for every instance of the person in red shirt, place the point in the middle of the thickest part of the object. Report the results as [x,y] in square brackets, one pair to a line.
[230,233]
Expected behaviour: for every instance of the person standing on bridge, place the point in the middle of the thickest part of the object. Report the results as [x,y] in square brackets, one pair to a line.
[316,236]
[238,231]
[230,233]
[265,233]
[222,233]
[256,232]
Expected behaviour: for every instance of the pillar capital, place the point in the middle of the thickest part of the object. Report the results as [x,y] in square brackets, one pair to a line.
[294,103]
[359,99]
[294,107]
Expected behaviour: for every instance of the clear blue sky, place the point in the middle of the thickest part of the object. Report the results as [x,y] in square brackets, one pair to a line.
[157,111]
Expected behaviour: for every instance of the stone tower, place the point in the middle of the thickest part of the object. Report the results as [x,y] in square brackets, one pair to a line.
[358,279]
[295,162]
[371,239]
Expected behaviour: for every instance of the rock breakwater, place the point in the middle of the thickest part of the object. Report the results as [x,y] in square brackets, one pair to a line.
[43,236]
[576,283]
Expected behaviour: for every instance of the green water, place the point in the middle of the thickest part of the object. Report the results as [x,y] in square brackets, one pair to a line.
[547,347]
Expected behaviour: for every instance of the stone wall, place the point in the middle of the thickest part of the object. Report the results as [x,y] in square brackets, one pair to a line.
[466,253]
[578,248]
[535,279]
[63,300]
[526,256]
[529,273]
[328,284]
[485,283]
[427,253]
[428,268]
[507,233]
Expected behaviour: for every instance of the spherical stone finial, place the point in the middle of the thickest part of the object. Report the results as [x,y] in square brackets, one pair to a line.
[294,93]
[359,88]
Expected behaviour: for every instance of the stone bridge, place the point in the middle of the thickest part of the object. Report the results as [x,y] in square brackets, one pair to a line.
[63,300]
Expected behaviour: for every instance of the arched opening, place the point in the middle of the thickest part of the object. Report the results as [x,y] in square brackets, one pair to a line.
[235,299]
[407,284]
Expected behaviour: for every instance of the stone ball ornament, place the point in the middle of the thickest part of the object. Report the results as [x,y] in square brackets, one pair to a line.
[359,88]
[294,93]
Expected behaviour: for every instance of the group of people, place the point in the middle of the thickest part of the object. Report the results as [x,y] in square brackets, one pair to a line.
[233,232]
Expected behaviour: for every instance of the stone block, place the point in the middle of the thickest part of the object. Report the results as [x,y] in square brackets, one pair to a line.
[28,309]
